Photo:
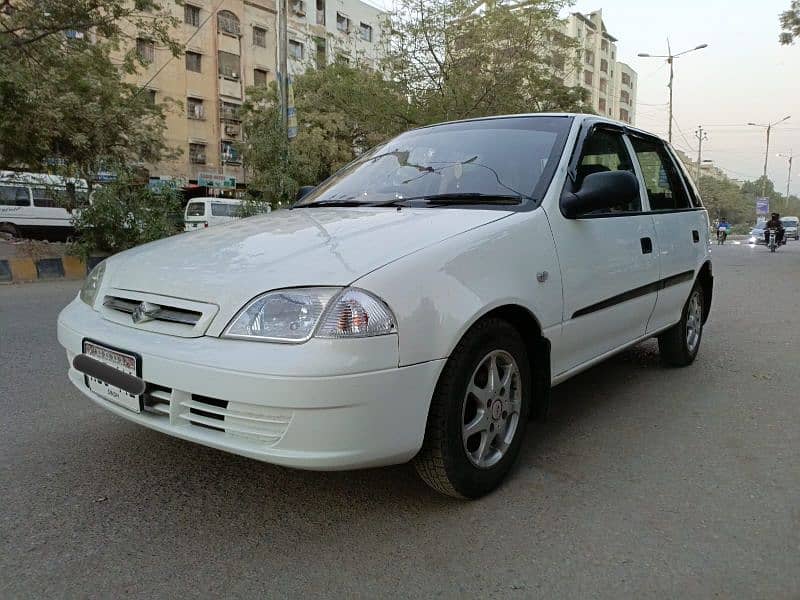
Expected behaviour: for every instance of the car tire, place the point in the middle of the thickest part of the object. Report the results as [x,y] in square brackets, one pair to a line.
[10,229]
[680,344]
[454,461]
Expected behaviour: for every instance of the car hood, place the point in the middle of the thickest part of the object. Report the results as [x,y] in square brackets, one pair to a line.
[227,265]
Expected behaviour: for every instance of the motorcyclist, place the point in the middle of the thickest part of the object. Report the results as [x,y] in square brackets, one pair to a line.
[722,229]
[774,223]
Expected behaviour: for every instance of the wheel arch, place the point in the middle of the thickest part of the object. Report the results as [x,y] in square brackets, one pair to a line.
[705,277]
[536,345]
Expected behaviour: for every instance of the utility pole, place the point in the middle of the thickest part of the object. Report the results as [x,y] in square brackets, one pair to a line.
[283,60]
[768,127]
[789,156]
[671,62]
[701,136]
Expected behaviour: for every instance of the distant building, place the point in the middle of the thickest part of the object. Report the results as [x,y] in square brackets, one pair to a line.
[611,84]
[231,46]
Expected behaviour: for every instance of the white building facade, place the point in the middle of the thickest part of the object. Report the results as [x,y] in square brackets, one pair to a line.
[611,84]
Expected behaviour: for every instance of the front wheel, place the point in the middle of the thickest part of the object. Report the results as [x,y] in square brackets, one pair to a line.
[478,414]
[679,345]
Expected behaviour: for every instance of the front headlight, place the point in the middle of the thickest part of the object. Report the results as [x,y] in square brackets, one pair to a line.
[92,284]
[295,315]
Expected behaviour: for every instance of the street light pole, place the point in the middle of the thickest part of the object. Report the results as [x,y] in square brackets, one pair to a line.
[768,127]
[283,59]
[671,62]
[790,156]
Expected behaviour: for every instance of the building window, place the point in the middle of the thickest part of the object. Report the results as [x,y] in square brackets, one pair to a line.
[604,65]
[194,62]
[589,57]
[603,85]
[259,37]
[601,104]
[227,22]
[228,65]
[604,45]
[299,7]
[191,15]
[587,77]
[624,116]
[295,50]
[342,23]
[197,154]
[194,109]
[259,77]
[624,97]
[145,50]
[320,12]
[626,79]
[365,32]
[228,111]
[150,95]
[229,153]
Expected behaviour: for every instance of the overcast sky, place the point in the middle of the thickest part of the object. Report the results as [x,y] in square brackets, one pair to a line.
[744,75]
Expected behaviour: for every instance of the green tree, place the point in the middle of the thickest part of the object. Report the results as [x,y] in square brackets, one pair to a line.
[460,58]
[342,111]
[63,68]
[124,214]
[790,23]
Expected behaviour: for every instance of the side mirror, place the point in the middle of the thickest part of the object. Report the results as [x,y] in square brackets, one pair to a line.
[600,191]
[303,192]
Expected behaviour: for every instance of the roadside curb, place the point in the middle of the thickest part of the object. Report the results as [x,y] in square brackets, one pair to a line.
[21,270]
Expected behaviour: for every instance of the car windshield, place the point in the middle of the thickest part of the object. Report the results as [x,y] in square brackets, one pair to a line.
[789,222]
[491,160]
[196,209]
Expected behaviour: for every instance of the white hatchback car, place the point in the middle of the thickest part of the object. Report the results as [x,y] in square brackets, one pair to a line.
[419,304]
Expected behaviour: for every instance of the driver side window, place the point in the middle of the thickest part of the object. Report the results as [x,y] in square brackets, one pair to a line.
[605,150]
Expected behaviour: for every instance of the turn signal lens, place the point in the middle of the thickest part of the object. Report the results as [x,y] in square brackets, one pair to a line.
[356,313]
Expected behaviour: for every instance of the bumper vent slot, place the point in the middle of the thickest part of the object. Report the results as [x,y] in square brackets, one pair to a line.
[157,399]
[255,423]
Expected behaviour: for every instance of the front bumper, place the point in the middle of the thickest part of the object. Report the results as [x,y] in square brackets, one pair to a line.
[322,405]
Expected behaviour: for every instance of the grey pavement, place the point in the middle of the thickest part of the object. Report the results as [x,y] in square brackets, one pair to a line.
[646,482]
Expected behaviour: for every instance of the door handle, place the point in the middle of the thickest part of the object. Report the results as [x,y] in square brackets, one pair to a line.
[695,235]
[647,245]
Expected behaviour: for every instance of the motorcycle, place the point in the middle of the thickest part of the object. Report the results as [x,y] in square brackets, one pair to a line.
[773,240]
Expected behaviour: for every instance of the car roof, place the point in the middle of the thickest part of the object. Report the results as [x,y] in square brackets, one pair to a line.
[578,117]
[212,199]
[43,179]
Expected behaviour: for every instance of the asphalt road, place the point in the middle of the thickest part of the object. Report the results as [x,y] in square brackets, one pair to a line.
[646,482]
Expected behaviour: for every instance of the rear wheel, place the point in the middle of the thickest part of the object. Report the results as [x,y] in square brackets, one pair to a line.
[479,413]
[10,229]
[679,345]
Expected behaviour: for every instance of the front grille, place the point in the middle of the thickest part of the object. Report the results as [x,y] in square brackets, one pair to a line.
[172,314]
[257,423]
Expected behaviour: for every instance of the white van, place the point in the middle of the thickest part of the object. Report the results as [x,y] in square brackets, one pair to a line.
[207,212]
[32,204]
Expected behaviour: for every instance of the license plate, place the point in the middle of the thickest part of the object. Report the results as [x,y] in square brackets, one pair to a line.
[122,361]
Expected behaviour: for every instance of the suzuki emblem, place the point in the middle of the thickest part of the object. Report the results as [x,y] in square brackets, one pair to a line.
[145,312]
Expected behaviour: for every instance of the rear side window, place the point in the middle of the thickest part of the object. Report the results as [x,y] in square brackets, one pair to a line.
[46,198]
[605,150]
[14,196]
[196,209]
[664,186]
[224,210]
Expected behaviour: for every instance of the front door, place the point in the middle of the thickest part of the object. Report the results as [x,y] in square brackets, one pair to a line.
[609,262]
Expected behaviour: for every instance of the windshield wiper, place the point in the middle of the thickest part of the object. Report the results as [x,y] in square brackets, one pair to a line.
[455,198]
[333,202]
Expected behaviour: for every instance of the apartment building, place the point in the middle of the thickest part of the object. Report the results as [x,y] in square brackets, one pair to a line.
[230,46]
[611,84]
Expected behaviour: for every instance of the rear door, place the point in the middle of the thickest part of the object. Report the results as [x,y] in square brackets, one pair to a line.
[608,261]
[681,226]
[195,215]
